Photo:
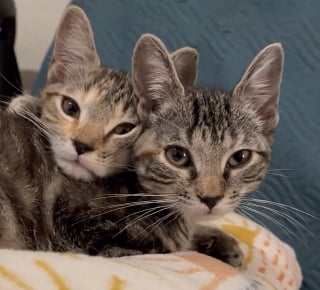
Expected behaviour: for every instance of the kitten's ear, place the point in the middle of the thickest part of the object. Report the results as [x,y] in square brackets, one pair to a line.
[260,85]
[186,61]
[74,49]
[155,79]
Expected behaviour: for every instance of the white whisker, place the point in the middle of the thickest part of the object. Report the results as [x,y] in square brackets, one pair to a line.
[281,205]
[294,222]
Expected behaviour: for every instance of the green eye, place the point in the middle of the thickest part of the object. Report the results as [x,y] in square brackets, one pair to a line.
[178,156]
[239,158]
[123,128]
[70,107]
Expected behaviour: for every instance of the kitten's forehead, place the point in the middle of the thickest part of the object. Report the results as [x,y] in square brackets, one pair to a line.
[108,92]
[208,122]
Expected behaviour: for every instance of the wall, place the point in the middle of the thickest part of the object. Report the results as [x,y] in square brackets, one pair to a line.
[36,24]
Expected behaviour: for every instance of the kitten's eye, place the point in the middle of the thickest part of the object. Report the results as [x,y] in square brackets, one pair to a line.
[239,158]
[123,128]
[70,107]
[178,156]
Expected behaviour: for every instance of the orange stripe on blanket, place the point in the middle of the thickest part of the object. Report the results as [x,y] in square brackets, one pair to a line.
[266,243]
[262,269]
[275,260]
[290,282]
[13,278]
[53,275]
[280,277]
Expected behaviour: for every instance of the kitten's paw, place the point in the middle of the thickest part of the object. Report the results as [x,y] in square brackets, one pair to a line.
[22,105]
[218,244]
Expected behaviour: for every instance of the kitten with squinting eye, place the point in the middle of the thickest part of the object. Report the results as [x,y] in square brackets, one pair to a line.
[89,111]
[199,152]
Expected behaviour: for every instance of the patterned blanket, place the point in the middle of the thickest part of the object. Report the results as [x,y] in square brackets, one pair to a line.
[269,265]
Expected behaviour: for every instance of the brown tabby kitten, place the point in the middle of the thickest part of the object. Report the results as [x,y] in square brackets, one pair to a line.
[88,120]
[89,111]
[199,152]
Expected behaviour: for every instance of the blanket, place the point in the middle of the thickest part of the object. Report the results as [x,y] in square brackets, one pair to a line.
[269,264]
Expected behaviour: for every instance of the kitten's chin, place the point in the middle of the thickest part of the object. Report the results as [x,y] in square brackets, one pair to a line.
[75,169]
[202,213]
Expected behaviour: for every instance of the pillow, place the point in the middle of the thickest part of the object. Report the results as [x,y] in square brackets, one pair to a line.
[269,264]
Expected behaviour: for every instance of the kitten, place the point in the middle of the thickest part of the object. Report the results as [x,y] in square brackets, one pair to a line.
[89,111]
[88,124]
[199,152]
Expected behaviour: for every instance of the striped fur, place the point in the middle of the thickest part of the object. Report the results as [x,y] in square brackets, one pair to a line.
[153,208]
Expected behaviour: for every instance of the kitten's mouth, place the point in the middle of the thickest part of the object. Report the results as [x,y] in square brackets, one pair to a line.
[211,215]
[201,212]
[75,169]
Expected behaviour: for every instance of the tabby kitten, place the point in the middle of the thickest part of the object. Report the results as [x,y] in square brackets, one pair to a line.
[200,151]
[89,111]
[88,123]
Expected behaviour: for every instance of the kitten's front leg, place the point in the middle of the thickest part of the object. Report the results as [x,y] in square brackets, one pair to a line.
[216,243]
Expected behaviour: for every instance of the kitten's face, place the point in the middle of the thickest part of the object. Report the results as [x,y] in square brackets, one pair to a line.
[94,123]
[205,152]
[203,149]
[90,110]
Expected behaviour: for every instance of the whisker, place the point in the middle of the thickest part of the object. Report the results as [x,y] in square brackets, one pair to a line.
[11,84]
[294,222]
[281,205]
[277,174]
[138,212]
[119,195]
[177,215]
[144,216]
[5,102]
[282,169]
[158,222]
[249,215]
[117,207]
[134,203]
[285,229]
[130,195]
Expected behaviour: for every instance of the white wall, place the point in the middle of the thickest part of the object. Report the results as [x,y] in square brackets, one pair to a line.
[37,21]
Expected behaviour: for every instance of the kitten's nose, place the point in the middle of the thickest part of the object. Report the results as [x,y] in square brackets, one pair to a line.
[81,148]
[210,201]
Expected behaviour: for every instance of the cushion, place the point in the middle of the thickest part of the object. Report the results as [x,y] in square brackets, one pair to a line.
[269,264]
[228,34]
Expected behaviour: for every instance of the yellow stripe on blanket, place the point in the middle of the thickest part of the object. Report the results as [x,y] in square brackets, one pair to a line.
[13,278]
[56,279]
[117,283]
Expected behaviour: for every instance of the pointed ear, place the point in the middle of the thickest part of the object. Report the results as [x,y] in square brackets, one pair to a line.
[260,85]
[186,61]
[155,79]
[74,48]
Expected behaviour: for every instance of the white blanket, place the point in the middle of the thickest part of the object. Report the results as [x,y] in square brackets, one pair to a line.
[269,264]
